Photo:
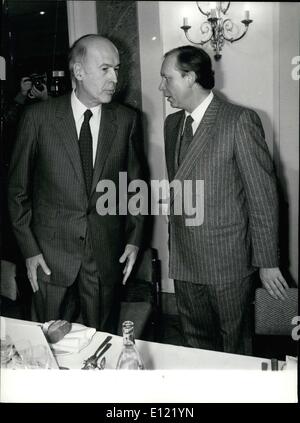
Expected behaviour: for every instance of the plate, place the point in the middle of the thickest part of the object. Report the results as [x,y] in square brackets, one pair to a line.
[61,353]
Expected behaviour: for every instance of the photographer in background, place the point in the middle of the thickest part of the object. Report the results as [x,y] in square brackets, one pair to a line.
[32,88]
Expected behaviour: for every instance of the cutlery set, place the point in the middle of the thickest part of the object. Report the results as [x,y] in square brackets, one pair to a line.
[93,361]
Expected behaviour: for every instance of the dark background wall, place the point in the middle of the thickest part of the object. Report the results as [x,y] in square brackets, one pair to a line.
[31,41]
[117,20]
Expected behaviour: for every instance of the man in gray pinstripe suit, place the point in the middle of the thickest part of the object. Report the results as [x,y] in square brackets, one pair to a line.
[74,256]
[213,264]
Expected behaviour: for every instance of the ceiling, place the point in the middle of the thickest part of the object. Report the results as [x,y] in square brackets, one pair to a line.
[33,38]
[30,8]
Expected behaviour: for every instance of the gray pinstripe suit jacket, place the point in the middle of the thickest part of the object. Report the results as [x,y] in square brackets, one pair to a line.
[49,207]
[239,232]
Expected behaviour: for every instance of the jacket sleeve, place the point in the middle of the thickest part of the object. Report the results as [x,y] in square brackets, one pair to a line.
[257,172]
[20,184]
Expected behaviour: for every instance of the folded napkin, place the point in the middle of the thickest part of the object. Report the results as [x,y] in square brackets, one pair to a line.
[78,338]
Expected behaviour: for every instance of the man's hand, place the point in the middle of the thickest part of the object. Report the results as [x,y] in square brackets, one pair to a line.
[129,255]
[32,264]
[25,85]
[274,282]
[41,95]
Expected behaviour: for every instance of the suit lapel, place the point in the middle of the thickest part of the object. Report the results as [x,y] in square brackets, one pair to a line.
[68,134]
[107,132]
[199,143]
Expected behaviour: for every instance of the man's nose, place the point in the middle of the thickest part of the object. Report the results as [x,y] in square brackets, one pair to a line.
[161,86]
[114,76]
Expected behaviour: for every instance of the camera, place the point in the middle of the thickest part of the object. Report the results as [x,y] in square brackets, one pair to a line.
[38,81]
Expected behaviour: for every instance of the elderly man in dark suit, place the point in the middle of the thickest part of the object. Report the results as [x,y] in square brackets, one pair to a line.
[213,263]
[75,256]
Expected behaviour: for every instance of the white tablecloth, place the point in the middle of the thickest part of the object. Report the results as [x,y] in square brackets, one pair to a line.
[181,374]
[157,356]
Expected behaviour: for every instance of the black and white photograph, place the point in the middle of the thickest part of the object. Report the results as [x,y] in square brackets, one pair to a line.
[149,203]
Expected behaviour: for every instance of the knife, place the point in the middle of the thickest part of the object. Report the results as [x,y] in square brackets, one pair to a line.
[106,340]
[107,347]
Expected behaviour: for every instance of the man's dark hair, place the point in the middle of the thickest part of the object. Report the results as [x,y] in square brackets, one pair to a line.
[190,58]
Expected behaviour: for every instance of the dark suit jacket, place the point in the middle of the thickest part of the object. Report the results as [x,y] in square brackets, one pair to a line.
[49,207]
[239,231]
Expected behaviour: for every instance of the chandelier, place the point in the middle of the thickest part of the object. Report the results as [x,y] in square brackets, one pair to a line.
[218,28]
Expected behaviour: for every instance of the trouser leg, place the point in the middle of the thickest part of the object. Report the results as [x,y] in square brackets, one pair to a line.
[50,303]
[88,300]
[198,320]
[216,317]
[99,301]
[232,302]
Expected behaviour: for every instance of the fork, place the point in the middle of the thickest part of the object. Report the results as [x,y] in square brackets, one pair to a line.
[91,362]
[102,364]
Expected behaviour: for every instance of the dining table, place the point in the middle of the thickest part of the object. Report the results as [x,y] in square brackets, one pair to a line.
[164,359]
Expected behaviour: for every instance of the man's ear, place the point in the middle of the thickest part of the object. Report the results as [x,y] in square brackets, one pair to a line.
[78,71]
[191,78]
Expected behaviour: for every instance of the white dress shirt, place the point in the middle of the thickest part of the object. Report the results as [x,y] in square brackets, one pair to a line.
[78,109]
[198,113]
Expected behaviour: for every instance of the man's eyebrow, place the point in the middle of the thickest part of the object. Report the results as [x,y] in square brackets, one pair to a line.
[110,65]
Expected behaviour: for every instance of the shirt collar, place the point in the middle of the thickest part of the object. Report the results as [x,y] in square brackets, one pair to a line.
[79,108]
[198,113]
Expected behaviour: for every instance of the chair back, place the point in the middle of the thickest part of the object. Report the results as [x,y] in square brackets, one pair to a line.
[274,316]
[141,295]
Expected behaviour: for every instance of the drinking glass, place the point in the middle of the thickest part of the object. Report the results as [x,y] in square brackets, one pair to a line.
[6,348]
[30,356]
[40,357]
[22,354]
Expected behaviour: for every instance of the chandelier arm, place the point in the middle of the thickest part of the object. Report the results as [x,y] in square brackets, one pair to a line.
[232,40]
[202,11]
[194,42]
[224,11]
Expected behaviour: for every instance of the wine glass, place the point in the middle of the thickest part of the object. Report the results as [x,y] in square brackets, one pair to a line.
[40,357]
[30,356]
[23,352]
[6,348]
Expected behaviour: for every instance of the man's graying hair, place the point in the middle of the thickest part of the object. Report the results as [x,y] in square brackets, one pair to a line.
[78,50]
[190,58]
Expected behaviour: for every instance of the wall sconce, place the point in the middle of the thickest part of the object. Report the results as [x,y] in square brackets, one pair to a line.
[217,29]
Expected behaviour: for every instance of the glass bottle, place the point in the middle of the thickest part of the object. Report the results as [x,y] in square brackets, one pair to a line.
[57,83]
[129,358]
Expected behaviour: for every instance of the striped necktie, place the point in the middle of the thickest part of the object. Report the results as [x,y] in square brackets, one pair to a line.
[86,150]
[186,138]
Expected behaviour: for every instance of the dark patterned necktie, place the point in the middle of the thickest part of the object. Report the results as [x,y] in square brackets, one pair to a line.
[186,138]
[86,150]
